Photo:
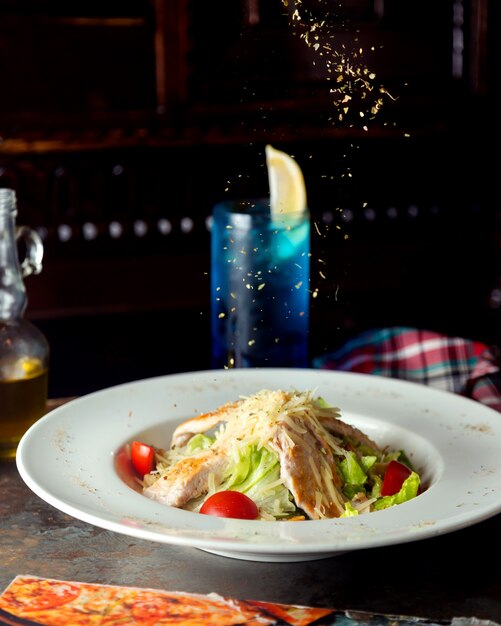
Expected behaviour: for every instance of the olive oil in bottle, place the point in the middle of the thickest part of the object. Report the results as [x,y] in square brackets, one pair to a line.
[24,351]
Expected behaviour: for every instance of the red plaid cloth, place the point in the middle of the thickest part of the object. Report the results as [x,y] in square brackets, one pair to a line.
[462,366]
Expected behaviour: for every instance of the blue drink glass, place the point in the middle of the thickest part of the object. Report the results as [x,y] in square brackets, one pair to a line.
[260,292]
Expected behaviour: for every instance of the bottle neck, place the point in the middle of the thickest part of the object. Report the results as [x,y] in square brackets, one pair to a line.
[12,290]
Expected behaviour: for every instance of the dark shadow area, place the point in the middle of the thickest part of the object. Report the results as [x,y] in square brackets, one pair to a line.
[93,352]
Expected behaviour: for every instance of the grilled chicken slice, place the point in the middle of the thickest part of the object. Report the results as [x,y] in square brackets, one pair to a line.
[307,467]
[201,424]
[342,429]
[186,479]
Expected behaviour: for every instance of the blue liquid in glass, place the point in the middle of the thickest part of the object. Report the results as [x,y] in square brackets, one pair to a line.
[260,270]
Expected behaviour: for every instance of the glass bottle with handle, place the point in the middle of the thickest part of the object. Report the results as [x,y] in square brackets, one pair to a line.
[24,351]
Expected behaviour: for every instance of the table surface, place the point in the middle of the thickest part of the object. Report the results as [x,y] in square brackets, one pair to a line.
[454,575]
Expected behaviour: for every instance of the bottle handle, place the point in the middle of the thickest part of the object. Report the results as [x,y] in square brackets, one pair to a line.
[32,262]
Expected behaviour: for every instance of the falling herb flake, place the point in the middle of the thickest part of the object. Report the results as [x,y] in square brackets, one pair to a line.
[353,79]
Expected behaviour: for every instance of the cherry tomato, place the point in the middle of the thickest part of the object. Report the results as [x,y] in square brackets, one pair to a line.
[143,457]
[394,478]
[230,504]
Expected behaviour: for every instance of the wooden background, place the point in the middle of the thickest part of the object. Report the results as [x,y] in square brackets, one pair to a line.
[122,123]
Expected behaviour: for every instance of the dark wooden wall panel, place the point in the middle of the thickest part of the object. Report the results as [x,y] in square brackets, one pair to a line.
[122,123]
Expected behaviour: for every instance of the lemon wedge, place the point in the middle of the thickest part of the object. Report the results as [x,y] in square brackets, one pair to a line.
[287,189]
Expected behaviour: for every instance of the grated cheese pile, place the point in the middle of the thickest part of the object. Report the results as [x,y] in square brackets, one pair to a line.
[255,419]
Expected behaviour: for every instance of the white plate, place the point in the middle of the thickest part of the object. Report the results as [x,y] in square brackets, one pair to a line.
[69,458]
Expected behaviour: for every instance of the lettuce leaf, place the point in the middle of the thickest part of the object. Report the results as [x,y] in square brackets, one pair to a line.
[349,510]
[256,472]
[408,491]
[355,472]
[199,442]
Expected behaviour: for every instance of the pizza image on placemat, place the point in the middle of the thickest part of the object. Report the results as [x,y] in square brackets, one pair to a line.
[30,600]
